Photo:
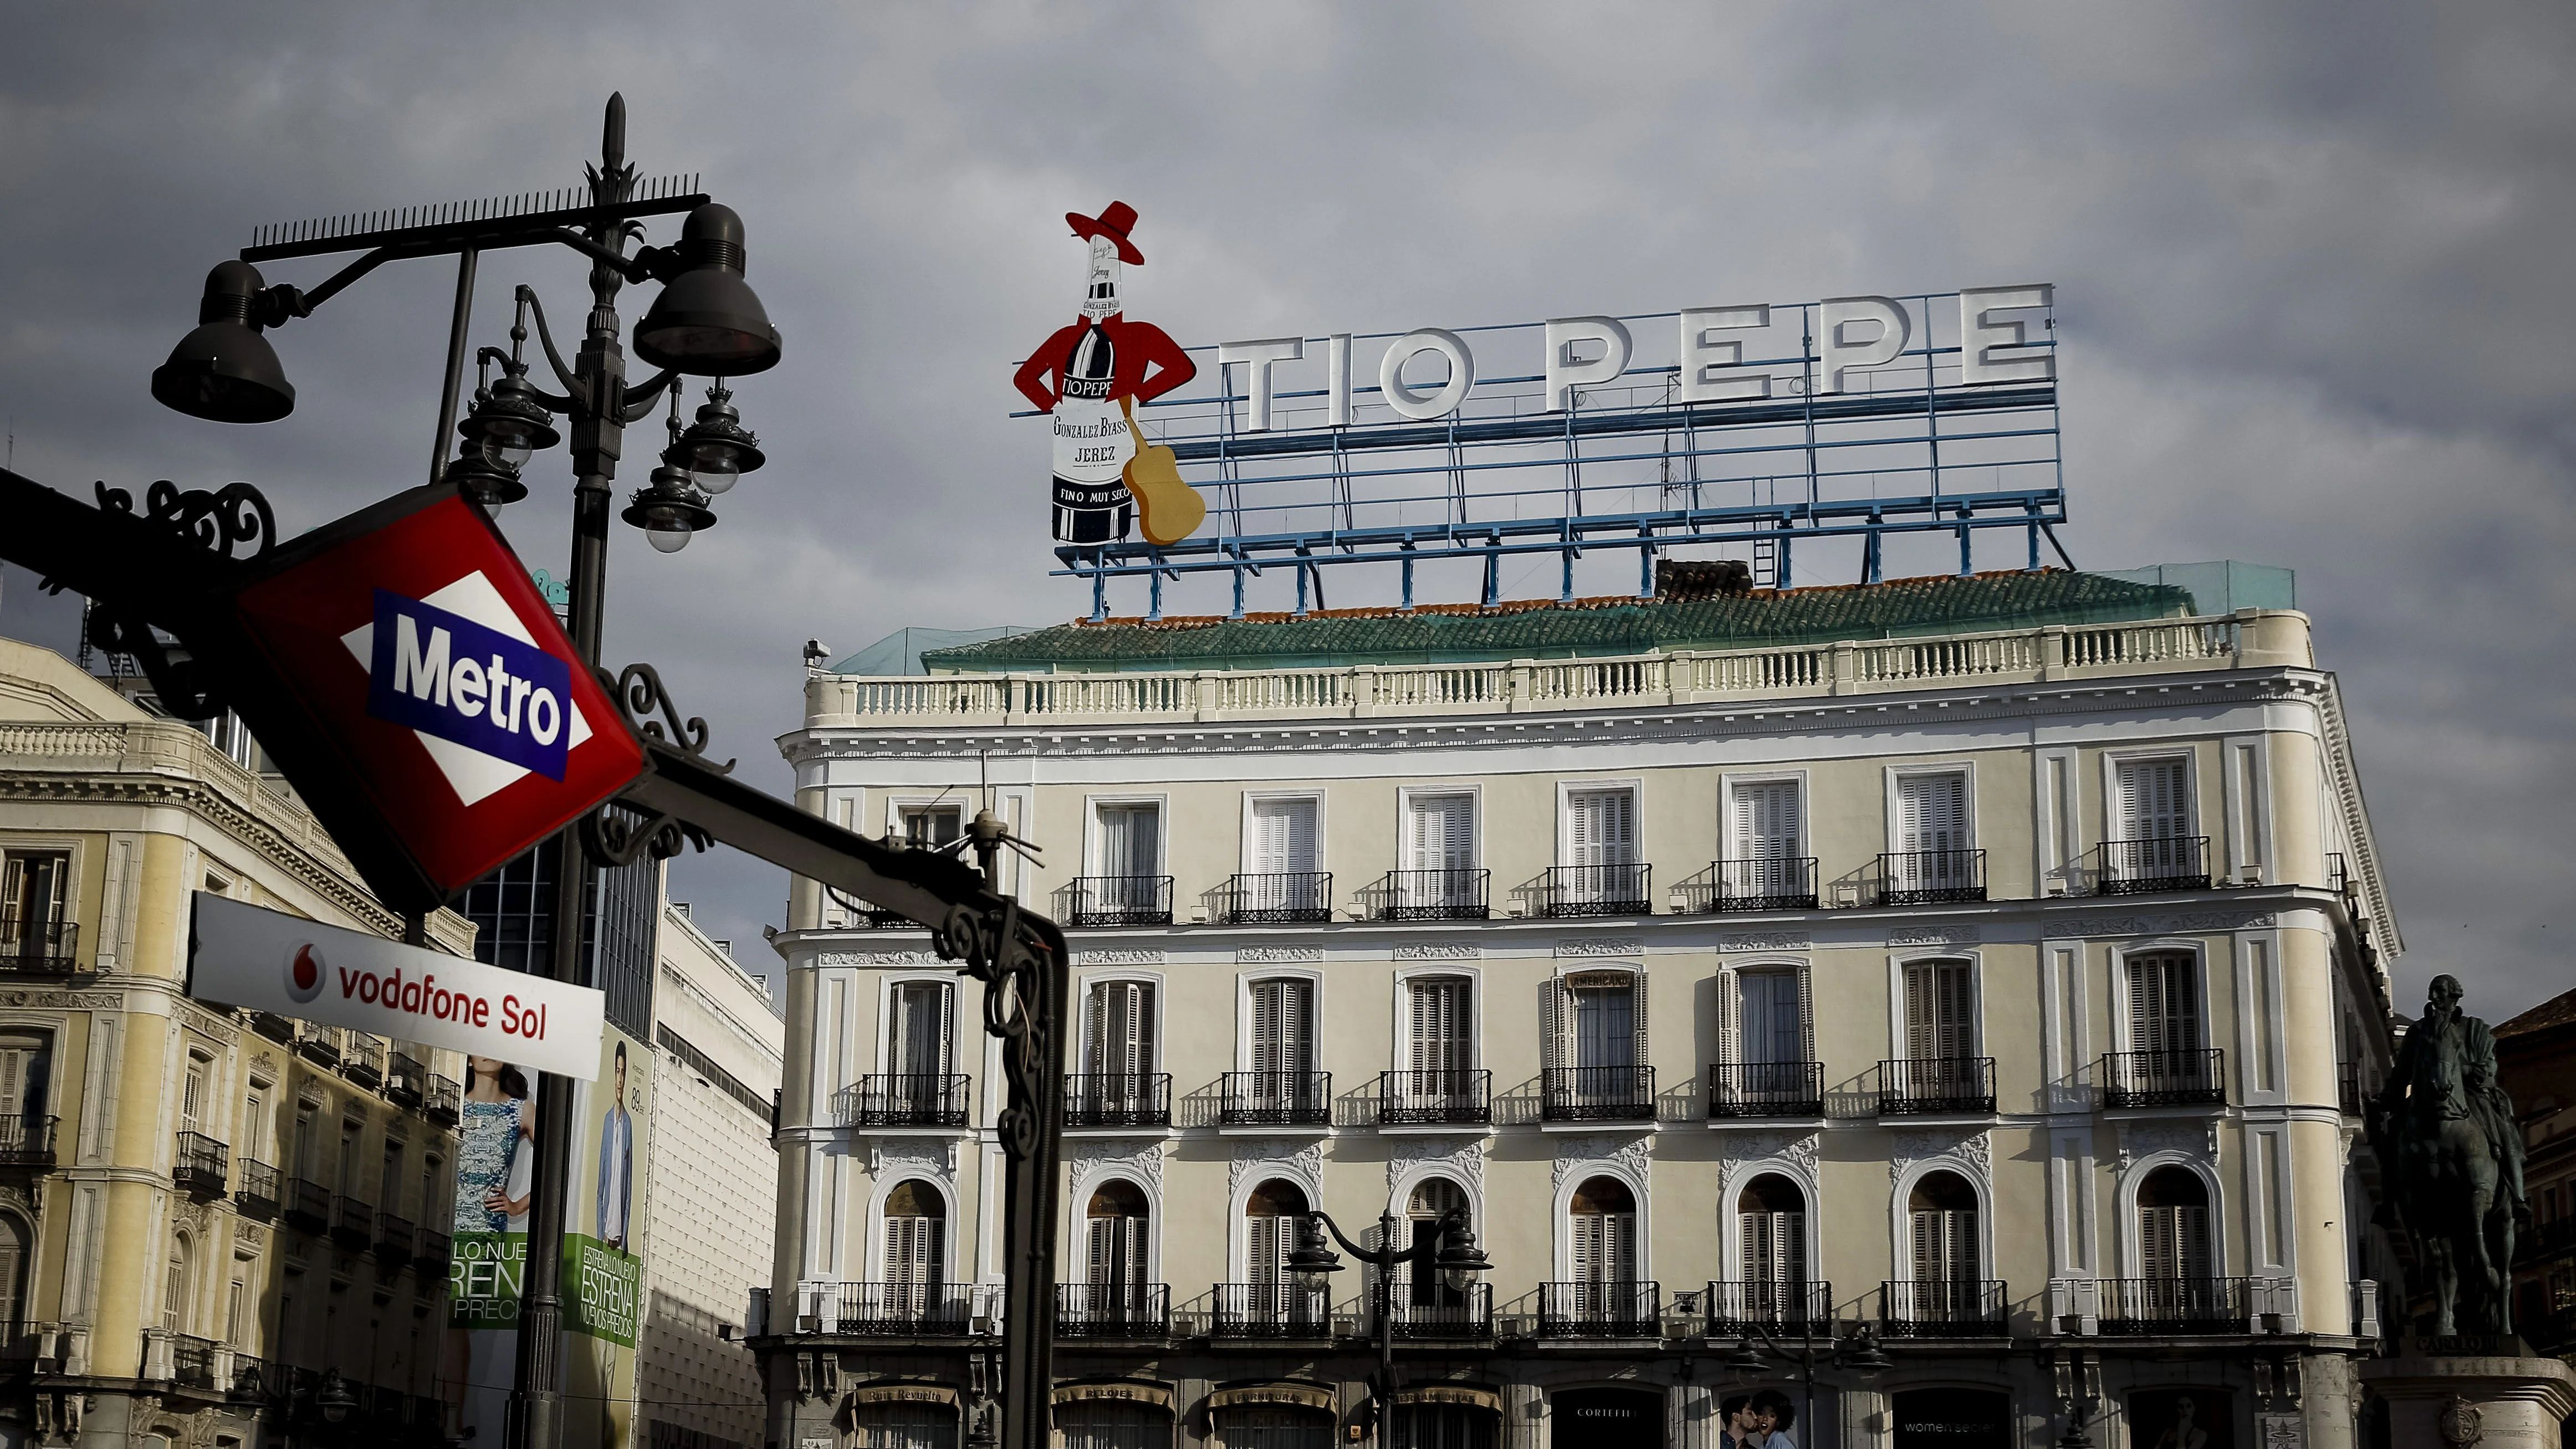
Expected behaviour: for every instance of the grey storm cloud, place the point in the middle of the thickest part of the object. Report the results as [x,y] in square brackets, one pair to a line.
[2310,262]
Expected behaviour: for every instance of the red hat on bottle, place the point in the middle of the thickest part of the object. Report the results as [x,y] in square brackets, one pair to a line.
[1114,222]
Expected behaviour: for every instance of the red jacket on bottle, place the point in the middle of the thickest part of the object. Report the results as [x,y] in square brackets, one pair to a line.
[1135,344]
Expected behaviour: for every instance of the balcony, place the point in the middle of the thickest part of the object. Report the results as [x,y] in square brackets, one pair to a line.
[1118,1099]
[2176,1307]
[201,1166]
[1269,1310]
[393,1239]
[1276,899]
[1766,1089]
[892,1310]
[192,1363]
[1431,895]
[1276,1099]
[308,1204]
[1943,1308]
[1597,1094]
[1763,883]
[319,1045]
[1920,1086]
[38,945]
[902,1099]
[404,1077]
[440,1101]
[2164,1079]
[362,1059]
[2159,863]
[27,1140]
[1625,889]
[1931,877]
[2348,1094]
[1446,1097]
[1600,1310]
[353,1223]
[431,1258]
[279,1029]
[1431,1313]
[1113,1310]
[256,1196]
[1804,1309]
[1119,900]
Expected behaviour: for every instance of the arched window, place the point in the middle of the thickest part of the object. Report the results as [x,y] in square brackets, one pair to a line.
[1432,1200]
[916,1236]
[174,1296]
[1604,1233]
[1269,1295]
[26,1070]
[1943,1209]
[1117,1278]
[16,1251]
[1771,1247]
[2173,1225]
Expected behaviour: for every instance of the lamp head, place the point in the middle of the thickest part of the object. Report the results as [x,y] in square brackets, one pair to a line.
[669,510]
[708,322]
[335,1401]
[508,423]
[1746,1361]
[1460,1259]
[1312,1262]
[1861,1354]
[716,449]
[224,371]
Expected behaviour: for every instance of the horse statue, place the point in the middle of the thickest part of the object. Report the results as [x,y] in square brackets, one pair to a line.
[2450,1157]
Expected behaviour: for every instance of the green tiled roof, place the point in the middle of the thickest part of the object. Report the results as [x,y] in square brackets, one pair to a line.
[1446,634]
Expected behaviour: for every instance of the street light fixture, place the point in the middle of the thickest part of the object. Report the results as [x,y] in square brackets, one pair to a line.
[1455,1254]
[716,449]
[224,371]
[335,1401]
[708,322]
[1860,1353]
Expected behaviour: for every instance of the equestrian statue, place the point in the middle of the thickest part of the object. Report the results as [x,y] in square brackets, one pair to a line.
[2450,1156]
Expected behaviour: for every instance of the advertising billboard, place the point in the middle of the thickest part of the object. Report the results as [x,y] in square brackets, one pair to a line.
[602,1277]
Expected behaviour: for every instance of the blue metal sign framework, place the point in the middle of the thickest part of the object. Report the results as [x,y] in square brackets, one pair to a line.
[1803,447]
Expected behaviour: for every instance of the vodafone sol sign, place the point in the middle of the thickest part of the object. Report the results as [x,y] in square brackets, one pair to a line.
[249,956]
[440,720]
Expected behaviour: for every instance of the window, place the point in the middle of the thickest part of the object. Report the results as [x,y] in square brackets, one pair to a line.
[1602,1024]
[1932,847]
[389,1181]
[26,1072]
[1283,1027]
[308,1145]
[236,1306]
[2154,798]
[1942,1213]
[2164,1003]
[1601,847]
[1131,840]
[1271,1216]
[16,1253]
[231,738]
[1771,1239]
[1439,1028]
[1439,852]
[432,1172]
[2173,1226]
[1940,1011]
[1764,830]
[1283,837]
[1770,1019]
[192,1091]
[254,1128]
[1116,1272]
[1433,1200]
[348,1164]
[918,1028]
[174,1288]
[34,902]
[1118,1029]
[916,1224]
[1605,1236]
[929,826]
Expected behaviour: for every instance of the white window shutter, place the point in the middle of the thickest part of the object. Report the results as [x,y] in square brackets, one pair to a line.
[1932,812]
[2153,798]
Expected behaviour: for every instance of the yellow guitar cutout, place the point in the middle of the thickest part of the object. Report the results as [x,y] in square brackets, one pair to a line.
[1168,509]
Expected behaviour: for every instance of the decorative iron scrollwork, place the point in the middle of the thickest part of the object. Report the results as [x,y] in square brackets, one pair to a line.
[615,835]
[639,693]
[997,949]
[235,514]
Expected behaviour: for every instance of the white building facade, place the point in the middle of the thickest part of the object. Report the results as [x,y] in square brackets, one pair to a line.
[1996,998]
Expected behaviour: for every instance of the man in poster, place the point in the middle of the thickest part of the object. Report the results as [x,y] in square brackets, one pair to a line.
[1758,1420]
[616,1162]
[1090,377]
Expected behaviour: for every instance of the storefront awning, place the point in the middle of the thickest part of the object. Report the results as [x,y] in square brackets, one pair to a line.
[903,1394]
[1466,1394]
[1153,1394]
[1298,1396]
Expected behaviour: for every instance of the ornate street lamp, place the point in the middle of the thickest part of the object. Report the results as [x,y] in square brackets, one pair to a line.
[1453,1252]
[224,371]
[716,449]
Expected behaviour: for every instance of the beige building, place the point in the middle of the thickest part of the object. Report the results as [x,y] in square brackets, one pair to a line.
[1977,972]
[187,1192]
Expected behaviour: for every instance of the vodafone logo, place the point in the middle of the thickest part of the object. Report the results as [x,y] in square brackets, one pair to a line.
[306,973]
[460,670]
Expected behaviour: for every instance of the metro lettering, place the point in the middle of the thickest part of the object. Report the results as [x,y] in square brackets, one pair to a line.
[448,676]
[423,673]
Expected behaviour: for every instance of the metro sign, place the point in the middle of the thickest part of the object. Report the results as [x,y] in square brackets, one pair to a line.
[425,666]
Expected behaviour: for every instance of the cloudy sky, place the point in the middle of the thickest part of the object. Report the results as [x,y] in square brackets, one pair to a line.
[2311,269]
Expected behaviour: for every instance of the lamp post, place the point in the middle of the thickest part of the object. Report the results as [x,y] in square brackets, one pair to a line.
[706,322]
[1454,1252]
[1860,1353]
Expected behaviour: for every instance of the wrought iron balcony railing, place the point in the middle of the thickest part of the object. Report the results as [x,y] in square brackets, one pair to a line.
[1275,1099]
[201,1166]
[1931,877]
[362,1059]
[2164,1079]
[405,1075]
[902,1099]
[1120,900]
[1269,1310]
[904,1310]
[27,1139]
[1623,889]
[393,1237]
[441,1101]
[1277,898]
[318,1044]
[2155,1306]
[353,1221]
[1914,1086]
[431,1257]
[1943,1308]
[1118,1099]
[1440,1097]
[192,1362]
[1434,895]
[2348,1096]
[1113,1310]
[255,1194]
[282,1030]
[2156,863]
[308,1204]
[1597,1094]
[1733,1306]
[1433,1312]
[1761,883]
[33,945]
[1600,1310]
[1766,1089]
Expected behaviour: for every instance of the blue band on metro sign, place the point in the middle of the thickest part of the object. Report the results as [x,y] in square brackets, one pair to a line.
[446,675]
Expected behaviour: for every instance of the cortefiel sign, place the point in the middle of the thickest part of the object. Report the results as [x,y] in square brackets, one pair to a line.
[426,665]
[249,956]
